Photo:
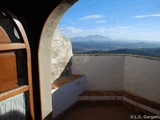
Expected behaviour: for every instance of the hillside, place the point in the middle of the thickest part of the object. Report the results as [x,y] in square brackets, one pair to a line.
[100,45]
[153,52]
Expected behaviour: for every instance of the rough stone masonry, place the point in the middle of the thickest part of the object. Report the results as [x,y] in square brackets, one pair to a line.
[61,54]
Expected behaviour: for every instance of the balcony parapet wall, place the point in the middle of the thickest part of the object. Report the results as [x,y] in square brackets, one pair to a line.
[139,76]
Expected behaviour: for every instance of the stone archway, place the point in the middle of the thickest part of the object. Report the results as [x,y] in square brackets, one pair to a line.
[44,56]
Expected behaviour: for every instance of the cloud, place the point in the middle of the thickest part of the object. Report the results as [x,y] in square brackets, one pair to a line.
[96,16]
[72,31]
[115,32]
[118,32]
[145,16]
[100,21]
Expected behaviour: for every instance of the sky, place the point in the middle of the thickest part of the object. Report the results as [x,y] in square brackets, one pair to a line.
[117,19]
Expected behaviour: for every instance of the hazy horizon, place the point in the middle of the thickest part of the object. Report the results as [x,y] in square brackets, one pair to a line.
[112,39]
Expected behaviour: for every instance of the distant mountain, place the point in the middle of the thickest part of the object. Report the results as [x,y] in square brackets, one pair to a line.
[91,38]
[102,43]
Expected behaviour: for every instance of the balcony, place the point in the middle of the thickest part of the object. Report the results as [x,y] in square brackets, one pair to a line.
[108,87]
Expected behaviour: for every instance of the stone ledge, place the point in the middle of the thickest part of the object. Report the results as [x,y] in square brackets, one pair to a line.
[142,100]
[93,96]
[66,80]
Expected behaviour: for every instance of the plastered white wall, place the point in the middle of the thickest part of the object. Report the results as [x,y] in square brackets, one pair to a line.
[66,95]
[142,77]
[136,75]
[44,56]
[102,72]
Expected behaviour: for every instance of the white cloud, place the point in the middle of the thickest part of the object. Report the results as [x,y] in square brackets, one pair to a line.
[72,31]
[96,16]
[114,32]
[144,16]
[100,21]
[119,32]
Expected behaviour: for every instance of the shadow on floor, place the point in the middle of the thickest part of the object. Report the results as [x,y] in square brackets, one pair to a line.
[98,113]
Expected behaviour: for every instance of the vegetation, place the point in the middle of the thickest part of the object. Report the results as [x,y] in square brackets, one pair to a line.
[104,45]
[153,52]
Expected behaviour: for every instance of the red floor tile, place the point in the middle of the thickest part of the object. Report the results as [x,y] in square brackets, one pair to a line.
[99,113]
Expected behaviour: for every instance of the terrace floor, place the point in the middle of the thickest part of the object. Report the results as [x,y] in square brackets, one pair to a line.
[98,113]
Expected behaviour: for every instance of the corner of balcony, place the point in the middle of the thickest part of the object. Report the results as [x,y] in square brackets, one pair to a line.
[110,86]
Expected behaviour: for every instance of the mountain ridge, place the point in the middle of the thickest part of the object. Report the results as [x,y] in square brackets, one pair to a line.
[101,44]
[106,38]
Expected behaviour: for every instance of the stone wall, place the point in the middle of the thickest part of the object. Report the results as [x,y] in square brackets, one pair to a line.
[61,54]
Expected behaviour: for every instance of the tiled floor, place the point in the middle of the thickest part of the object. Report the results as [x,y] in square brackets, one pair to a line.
[99,113]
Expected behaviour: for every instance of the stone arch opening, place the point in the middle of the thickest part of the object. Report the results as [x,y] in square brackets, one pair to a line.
[44,56]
